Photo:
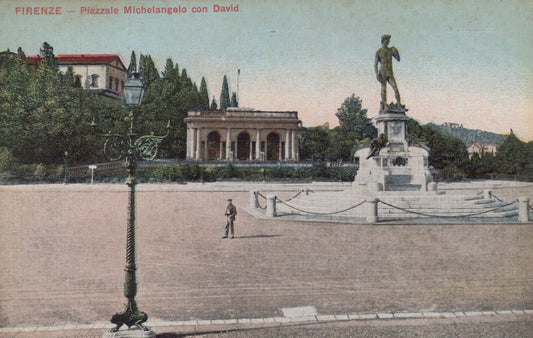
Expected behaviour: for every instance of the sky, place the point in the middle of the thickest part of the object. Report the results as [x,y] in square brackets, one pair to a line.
[462,61]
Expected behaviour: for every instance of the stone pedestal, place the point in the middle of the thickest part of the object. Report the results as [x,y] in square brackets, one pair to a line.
[398,165]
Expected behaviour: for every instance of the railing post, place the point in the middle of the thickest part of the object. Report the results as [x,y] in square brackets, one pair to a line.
[271,206]
[487,194]
[372,210]
[254,203]
[523,209]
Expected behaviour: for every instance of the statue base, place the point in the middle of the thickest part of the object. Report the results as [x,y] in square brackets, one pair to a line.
[393,108]
[398,166]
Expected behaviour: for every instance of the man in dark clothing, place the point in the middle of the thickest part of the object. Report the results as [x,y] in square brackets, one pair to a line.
[231,211]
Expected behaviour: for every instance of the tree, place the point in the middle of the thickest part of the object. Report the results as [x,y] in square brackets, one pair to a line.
[132,68]
[512,156]
[234,102]
[224,94]
[20,52]
[148,69]
[353,119]
[315,143]
[204,95]
[354,125]
[213,104]
[169,67]
[42,115]
[49,59]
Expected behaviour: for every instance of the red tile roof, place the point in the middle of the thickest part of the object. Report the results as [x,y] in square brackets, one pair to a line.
[82,58]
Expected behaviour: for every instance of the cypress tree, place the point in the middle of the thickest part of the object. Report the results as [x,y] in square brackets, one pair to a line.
[213,104]
[169,67]
[224,95]
[20,52]
[50,60]
[148,69]
[234,102]
[132,68]
[204,95]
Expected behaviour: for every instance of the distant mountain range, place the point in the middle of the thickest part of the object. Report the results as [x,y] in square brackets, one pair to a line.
[469,136]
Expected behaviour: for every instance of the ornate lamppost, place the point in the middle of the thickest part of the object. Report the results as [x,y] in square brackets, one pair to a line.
[131,148]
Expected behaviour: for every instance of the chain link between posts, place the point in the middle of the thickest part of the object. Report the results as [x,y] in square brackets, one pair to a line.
[319,213]
[447,216]
[392,206]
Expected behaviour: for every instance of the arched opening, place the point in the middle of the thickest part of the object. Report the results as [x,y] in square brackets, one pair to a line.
[243,146]
[272,151]
[213,146]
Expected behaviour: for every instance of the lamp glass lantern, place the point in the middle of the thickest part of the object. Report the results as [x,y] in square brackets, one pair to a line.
[134,90]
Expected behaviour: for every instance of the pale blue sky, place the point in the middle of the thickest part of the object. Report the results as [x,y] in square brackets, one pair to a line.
[464,61]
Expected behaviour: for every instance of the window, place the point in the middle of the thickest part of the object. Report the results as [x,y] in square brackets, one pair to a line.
[116,85]
[94,81]
[110,86]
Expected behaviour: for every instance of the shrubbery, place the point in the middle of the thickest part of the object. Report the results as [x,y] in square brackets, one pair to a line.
[191,172]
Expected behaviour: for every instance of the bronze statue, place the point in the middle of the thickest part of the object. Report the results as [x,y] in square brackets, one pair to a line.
[384,73]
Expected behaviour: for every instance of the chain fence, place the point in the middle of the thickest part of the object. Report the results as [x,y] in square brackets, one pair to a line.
[319,213]
[447,216]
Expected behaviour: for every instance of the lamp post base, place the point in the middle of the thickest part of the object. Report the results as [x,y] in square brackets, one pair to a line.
[131,333]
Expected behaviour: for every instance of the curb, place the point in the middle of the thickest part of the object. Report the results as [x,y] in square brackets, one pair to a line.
[203,325]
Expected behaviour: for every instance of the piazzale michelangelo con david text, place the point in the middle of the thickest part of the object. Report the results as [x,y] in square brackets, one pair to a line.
[111,10]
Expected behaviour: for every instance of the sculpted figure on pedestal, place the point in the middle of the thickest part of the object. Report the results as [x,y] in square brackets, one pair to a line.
[383,69]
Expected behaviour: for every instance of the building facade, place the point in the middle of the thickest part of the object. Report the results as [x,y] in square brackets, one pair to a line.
[104,74]
[482,148]
[242,134]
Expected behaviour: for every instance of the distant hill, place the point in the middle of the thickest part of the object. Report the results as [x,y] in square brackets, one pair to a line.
[469,136]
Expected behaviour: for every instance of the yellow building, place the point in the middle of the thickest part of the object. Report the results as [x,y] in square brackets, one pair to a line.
[243,134]
[104,74]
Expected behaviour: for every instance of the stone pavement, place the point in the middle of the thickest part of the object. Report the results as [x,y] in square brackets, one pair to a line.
[62,251]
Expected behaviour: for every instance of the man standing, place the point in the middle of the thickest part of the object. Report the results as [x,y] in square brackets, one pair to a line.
[231,211]
[384,73]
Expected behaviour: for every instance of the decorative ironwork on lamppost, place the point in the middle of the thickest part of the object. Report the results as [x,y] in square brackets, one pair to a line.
[131,148]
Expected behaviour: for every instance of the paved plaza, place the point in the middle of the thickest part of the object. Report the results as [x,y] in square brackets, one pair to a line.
[63,256]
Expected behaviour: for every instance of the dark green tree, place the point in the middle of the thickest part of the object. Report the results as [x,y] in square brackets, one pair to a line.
[148,69]
[169,67]
[49,59]
[42,115]
[204,95]
[224,94]
[354,125]
[315,143]
[234,102]
[132,68]
[20,52]
[512,156]
[213,104]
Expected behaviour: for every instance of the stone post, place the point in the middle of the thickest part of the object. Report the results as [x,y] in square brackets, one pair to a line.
[372,210]
[487,194]
[254,204]
[271,206]
[523,209]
